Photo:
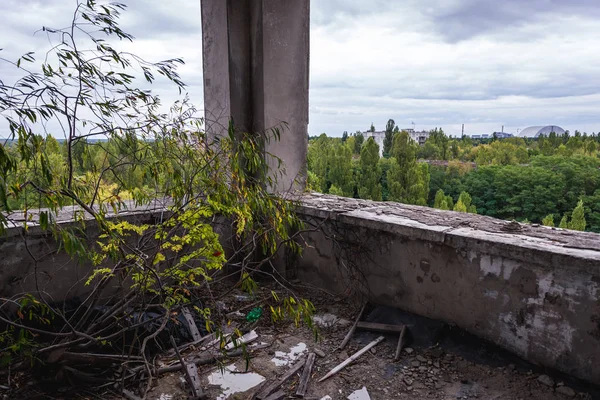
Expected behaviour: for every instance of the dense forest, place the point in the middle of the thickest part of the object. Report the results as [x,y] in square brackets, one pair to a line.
[553,180]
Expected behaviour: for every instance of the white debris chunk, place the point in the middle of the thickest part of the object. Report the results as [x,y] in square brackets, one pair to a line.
[361,394]
[232,382]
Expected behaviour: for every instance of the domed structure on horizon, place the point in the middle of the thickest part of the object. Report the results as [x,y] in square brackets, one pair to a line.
[535,131]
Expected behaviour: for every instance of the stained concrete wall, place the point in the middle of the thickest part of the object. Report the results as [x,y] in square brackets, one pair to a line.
[32,262]
[532,290]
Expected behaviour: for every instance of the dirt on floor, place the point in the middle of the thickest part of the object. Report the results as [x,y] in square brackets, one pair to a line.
[438,362]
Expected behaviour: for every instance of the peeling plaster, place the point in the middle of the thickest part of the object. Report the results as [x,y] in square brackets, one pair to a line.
[490,266]
[557,334]
[513,335]
[545,329]
[508,267]
[472,256]
[497,266]
[544,286]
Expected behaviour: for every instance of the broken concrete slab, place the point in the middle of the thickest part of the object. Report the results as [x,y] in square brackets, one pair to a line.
[232,381]
[282,358]
[361,394]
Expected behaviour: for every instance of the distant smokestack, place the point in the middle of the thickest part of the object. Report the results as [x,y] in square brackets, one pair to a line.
[502,128]
[463,130]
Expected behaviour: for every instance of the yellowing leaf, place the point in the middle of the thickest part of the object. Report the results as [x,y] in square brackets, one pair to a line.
[158,258]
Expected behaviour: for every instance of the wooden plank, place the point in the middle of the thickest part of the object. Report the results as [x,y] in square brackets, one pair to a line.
[386,328]
[192,373]
[359,353]
[303,385]
[401,339]
[263,395]
[276,396]
[196,336]
[353,328]
[186,346]
[210,358]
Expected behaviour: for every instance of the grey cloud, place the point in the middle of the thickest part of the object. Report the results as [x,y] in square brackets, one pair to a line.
[470,18]
[162,30]
[438,63]
[328,11]
[162,19]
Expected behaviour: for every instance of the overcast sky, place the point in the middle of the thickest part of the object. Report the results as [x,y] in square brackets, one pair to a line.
[484,63]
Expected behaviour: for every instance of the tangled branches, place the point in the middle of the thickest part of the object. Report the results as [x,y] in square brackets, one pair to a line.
[119,152]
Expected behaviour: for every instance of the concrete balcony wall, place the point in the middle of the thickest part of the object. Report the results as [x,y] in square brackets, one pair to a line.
[533,291]
[32,264]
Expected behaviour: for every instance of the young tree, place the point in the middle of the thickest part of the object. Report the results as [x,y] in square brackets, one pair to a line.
[340,169]
[439,140]
[318,160]
[313,182]
[548,220]
[389,136]
[449,202]
[336,191]
[460,206]
[369,186]
[441,200]
[590,147]
[578,217]
[359,139]
[454,150]
[464,204]
[384,166]
[564,222]
[407,181]
[87,89]
[430,151]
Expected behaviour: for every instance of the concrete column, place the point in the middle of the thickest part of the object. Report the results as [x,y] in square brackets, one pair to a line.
[256,72]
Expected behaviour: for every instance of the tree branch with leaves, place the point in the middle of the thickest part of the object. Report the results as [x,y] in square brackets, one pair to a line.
[121,149]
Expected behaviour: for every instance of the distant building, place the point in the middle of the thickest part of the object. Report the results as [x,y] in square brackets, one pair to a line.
[378,136]
[419,137]
[502,135]
[499,135]
[536,131]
